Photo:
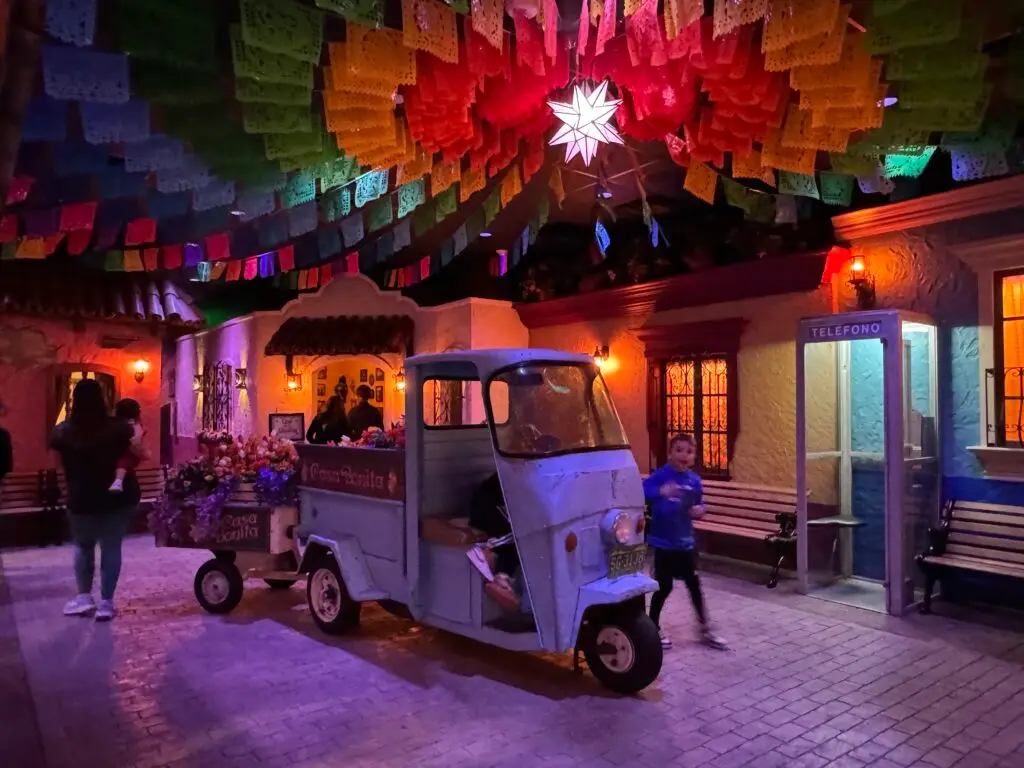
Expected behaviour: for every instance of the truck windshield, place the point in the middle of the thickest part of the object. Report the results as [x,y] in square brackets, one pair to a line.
[546,409]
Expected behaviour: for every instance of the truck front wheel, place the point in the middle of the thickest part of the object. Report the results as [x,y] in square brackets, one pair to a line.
[623,650]
[334,612]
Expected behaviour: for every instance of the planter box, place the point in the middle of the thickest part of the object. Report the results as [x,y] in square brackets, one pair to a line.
[243,528]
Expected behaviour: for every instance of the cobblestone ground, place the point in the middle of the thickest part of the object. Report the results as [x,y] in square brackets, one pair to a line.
[806,684]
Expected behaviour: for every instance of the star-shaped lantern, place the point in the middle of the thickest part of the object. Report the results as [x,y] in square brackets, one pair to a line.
[585,123]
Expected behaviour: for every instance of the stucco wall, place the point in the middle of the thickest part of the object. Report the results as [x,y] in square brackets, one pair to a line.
[30,347]
[460,325]
[918,271]
[766,368]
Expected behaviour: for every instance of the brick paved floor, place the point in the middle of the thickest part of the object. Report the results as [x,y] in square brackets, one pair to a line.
[807,684]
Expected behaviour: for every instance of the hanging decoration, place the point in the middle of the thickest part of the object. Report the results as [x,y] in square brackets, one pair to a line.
[585,123]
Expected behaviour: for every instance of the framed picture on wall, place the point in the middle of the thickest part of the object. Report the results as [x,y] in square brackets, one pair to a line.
[321,375]
[363,374]
[321,406]
[371,380]
[380,394]
[321,390]
[289,425]
[379,374]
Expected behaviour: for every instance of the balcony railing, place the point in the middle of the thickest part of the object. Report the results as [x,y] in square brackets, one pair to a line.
[1004,407]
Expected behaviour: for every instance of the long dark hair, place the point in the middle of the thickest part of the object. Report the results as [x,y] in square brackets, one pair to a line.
[88,406]
[335,410]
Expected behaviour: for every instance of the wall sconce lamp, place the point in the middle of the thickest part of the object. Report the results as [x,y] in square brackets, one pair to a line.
[863,283]
[399,380]
[292,380]
[240,378]
[141,368]
[197,383]
[601,355]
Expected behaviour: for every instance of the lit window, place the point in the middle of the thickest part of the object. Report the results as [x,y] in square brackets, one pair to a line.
[1006,425]
[698,405]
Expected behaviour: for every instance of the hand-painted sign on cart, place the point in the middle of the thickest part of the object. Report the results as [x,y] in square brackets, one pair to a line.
[243,528]
[378,473]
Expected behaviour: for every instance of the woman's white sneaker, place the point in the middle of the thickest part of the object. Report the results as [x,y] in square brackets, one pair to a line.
[81,605]
[105,610]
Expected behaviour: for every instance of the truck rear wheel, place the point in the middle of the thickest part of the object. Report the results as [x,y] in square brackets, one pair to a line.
[624,652]
[333,610]
[218,586]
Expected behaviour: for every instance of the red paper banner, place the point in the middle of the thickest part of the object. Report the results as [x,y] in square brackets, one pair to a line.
[234,270]
[352,263]
[151,259]
[172,256]
[78,241]
[8,228]
[140,232]
[218,247]
[286,258]
[76,217]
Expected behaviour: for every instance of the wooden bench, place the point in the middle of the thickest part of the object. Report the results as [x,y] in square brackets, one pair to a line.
[985,538]
[30,504]
[152,481]
[752,512]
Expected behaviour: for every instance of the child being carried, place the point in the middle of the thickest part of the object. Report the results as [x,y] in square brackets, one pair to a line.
[128,410]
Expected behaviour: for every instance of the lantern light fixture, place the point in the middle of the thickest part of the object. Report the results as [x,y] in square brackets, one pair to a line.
[601,355]
[399,380]
[141,368]
[241,378]
[863,283]
[197,383]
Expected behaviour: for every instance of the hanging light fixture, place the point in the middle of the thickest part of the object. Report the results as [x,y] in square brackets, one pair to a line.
[585,123]
[399,380]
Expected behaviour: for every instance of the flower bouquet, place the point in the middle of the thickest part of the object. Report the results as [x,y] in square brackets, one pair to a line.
[197,490]
[393,438]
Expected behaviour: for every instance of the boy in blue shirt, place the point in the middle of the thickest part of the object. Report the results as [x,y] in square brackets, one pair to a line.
[675,495]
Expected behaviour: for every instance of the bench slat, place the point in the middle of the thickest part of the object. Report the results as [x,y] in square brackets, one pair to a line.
[755,516]
[788,502]
[958,526]
[986,542]
[739,522]
[759,506]
[978,506]
[978,564]
[988,517]
[727,485]
[712,527]
[984,553]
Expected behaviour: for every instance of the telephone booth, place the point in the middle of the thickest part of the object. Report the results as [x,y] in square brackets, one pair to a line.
[868,472]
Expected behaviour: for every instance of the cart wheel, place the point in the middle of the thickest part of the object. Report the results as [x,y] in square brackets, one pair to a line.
[279,583]
[624,651]
[333,610]
[218,586]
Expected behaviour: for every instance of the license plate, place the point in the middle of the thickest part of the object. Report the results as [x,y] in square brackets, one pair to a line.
[625,560]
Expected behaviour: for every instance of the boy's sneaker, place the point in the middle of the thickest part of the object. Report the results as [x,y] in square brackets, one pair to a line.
[666,641]
[105,610]
[712,640]
[117,486]
[478,557]
[81,605]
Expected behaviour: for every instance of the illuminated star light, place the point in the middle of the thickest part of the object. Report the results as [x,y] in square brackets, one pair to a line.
[585,123]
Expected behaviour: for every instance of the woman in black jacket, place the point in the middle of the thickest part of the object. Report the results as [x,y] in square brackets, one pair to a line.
[90,443]
[329,426]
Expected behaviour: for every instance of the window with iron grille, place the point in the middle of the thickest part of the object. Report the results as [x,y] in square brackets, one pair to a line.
[692,388]
[1005,417]
[696,402]
[443,402]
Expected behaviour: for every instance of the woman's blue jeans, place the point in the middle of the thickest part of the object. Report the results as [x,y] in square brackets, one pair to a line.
[108,531]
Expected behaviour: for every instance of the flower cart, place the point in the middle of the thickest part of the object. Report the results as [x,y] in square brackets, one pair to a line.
[237,499]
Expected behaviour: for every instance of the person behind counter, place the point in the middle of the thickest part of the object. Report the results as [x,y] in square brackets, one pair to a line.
[331,425]
[363,416]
